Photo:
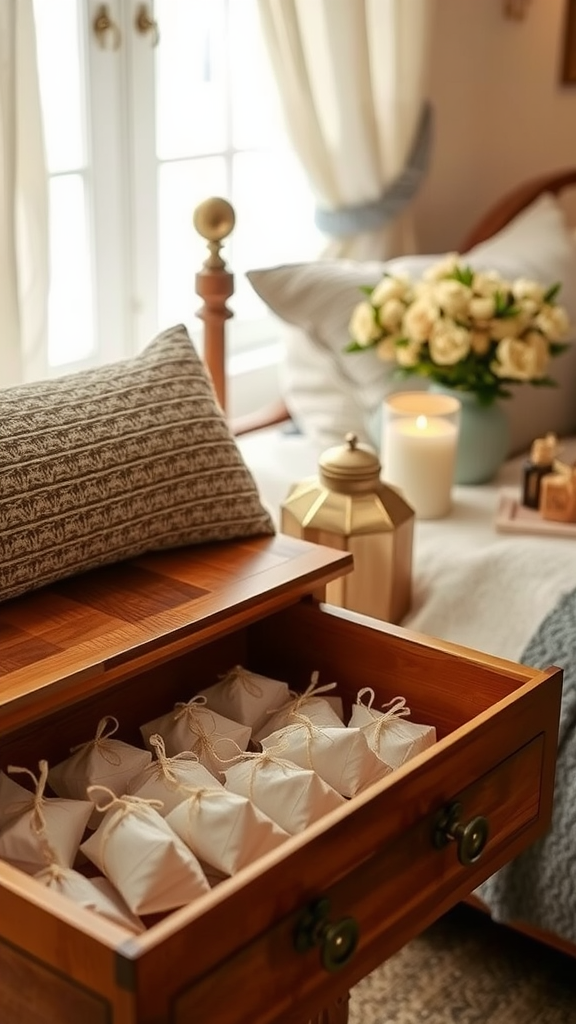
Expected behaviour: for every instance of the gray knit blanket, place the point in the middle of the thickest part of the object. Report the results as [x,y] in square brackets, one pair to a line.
[539,886]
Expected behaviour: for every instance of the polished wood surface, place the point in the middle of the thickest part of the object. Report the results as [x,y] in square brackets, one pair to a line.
[73,638]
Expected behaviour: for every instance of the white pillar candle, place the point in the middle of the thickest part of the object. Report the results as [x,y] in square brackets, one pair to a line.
[419,450]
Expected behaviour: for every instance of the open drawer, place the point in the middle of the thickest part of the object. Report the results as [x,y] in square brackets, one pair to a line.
[301,925]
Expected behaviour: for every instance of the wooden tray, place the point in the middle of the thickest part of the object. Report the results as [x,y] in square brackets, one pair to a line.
[513,517]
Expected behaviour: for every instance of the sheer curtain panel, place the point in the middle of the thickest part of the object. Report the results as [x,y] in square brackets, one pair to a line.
[351,77]
[23,201]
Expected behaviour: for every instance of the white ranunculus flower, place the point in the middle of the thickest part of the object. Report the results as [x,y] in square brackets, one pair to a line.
[481,307]
[390,314]
[363,327]
[449,343]
[453,297]
[489,282]
[528,308]
[553,321]
[391,288]
[408,355]
[419,319]
[522,359]
[447,265]
[524,288]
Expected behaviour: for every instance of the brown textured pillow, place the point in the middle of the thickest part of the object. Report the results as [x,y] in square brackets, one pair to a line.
[103,465]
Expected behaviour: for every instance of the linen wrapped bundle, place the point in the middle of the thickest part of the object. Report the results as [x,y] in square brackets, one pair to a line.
[43,829]
[142,856]
[12,797]
[246,697]
[388,732]
[224,829]
[193,726]
[312,704]
[293,797]
[341,756]
[170,779]
[96,894]
[102,761]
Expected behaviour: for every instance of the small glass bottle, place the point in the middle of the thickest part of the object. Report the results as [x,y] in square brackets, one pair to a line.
[538,465]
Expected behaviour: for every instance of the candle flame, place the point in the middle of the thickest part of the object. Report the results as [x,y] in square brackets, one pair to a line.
[421,422]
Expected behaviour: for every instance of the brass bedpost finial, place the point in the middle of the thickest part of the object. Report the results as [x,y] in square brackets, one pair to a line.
[214,219]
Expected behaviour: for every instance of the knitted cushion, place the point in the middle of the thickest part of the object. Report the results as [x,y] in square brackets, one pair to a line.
[103,465]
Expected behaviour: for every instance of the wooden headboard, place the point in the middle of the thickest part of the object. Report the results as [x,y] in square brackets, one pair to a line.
[214,219]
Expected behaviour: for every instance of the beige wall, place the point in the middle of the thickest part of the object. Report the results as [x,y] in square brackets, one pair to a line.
[501,113]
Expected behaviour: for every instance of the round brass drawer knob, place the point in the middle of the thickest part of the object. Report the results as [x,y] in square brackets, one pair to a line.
[470,838]
[337,940]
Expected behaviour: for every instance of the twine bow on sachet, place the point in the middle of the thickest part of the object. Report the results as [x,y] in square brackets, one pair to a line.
[204,741]
[163,766]
[35,804]
[397,708]
[239,678]
[293,706]
[107,726]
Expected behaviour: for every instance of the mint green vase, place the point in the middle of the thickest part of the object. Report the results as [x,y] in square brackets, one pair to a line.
[483,439]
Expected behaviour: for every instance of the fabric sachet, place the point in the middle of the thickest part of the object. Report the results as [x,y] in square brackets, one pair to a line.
[11,798]
[293,797]
[388,732]
[193,726]
[246,696]
[341,757]
[96,894]
[142,856]
[224,829]
[312,703]
[102,761]
[170,779]
[46,829]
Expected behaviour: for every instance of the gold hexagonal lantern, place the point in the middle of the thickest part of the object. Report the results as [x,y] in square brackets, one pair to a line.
[350,508]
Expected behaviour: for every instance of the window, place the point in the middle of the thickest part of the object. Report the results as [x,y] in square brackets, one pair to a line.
[136,136]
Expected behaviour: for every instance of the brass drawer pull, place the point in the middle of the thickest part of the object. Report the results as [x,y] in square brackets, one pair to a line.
[470,838]
[337,940]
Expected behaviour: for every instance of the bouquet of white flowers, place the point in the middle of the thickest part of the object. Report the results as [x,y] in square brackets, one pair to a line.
[463,329]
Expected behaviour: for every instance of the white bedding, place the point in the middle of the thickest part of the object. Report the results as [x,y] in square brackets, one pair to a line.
[472,585]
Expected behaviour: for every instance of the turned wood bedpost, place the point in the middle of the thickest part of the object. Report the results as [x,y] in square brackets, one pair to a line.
[214,219]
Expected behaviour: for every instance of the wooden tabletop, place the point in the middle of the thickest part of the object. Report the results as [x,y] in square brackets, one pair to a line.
[76,634]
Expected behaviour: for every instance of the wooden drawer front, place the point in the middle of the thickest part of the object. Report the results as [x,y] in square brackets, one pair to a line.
[400,889]
[31,993]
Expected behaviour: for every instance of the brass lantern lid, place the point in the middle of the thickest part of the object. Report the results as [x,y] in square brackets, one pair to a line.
[351,468]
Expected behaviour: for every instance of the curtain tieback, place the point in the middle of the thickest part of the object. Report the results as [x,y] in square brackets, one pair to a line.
[354,220]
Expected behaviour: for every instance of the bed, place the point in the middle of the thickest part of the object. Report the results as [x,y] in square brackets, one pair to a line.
[508,593]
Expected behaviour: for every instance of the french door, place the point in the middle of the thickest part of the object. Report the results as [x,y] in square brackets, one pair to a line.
[148,109]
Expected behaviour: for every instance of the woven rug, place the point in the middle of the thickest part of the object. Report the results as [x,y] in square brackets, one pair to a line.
[467,970]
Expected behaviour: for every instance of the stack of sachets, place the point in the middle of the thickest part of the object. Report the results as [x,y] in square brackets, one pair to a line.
[193,726]
[225,778]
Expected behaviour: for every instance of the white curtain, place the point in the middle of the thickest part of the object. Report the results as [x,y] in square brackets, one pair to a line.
[351,76]
[23,201]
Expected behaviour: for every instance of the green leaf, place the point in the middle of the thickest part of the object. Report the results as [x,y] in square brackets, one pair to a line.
[465,275]
[552,292]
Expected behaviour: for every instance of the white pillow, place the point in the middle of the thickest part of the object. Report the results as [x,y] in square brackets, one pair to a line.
[329,392]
